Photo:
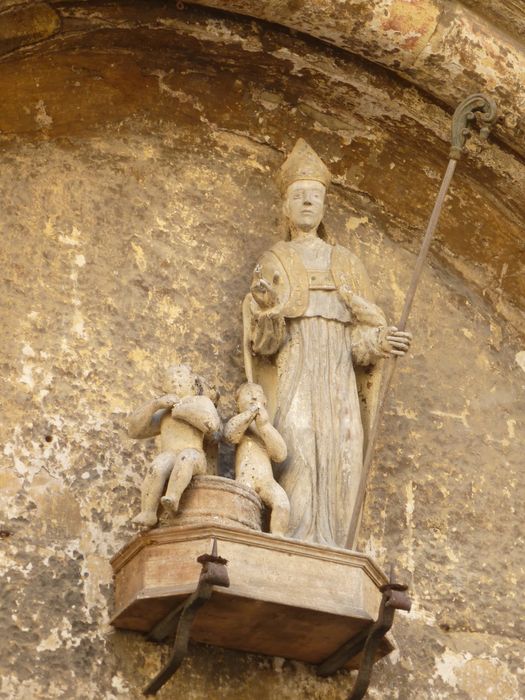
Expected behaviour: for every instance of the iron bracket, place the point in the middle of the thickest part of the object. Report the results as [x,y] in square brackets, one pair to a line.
[180,620]
[394,598]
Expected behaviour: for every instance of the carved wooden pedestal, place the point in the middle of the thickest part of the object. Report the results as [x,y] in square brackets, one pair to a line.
[276,596]
[286,598]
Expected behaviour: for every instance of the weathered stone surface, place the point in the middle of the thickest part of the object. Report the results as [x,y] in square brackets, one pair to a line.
[507,14]
[23,25]
[446,49]
[128,144]
[371,126]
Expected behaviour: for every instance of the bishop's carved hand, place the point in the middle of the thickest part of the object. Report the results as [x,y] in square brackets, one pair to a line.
[394,341]
[263,291]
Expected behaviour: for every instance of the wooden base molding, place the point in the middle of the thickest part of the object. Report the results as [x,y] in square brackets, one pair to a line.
[286,598]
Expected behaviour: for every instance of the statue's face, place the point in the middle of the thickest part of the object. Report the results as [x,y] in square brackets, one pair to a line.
[304,204]
[250,395]
[180,380]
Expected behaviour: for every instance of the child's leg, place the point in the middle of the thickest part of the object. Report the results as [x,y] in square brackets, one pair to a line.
[159,471]
[274,496]
[187,463]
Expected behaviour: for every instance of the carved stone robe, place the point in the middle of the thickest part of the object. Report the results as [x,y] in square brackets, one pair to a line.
[305,358]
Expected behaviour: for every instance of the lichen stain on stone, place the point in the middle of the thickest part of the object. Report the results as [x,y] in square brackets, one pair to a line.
[431,52]
[415,21]
[477,677]
[25,24]
[57,509]
[520,359]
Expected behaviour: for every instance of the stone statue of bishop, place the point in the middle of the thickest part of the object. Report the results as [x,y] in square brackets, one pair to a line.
[312,337]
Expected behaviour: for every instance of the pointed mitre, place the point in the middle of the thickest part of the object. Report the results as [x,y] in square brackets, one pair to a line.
[303,163]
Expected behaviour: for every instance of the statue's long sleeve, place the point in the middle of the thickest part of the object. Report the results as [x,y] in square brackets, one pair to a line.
[366,345]
[369,331]
[267,334]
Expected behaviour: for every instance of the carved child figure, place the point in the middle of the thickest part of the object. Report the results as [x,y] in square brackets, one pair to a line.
[258,442]
[183,417]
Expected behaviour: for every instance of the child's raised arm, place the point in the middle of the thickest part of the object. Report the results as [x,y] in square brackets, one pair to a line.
[272,439]
[199,412]
[238,425]
[145,421]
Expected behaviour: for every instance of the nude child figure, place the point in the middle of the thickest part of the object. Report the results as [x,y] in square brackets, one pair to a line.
[258,442]
[182,417]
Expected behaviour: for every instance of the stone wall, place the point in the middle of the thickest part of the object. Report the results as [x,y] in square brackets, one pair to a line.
[137,149]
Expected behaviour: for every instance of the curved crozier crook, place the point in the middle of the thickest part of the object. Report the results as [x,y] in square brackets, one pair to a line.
[477,109]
